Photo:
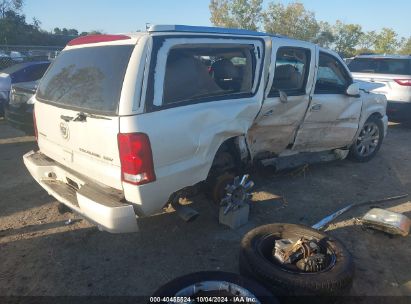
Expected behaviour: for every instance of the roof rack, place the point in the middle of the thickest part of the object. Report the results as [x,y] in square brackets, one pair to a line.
[205,29]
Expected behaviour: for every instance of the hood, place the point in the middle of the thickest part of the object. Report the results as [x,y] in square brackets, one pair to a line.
[368,86]
[5,82]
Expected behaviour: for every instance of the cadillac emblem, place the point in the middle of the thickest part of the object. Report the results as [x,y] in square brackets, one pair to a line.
[64,130]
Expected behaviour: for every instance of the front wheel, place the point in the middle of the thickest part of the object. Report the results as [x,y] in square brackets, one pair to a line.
[368,141]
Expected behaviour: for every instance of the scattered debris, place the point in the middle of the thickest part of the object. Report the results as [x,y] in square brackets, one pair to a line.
[185,212]
[328,219]
[68,222]
[234,207]
[304,253]
[387,221]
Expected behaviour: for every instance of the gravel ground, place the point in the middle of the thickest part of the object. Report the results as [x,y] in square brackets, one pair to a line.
[41,255]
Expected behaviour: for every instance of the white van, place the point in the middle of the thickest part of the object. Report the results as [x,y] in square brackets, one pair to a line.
[124,122]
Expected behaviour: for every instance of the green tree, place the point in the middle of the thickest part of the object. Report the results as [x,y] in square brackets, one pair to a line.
[245,14]
[73,32]
[386,41]
[14,29]
[10,5]
[367,40]
[95,32]
[292,20]
[36,23]
[325,36]
[57,31]
[406,47]
[347,37]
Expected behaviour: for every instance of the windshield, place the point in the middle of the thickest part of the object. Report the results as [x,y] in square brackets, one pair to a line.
[381,66]
[88,78]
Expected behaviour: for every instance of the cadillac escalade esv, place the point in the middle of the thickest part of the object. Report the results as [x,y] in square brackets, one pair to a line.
[123,122]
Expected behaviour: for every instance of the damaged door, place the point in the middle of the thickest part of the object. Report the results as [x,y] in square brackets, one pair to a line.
[288,91]
[333,117]
[203,91]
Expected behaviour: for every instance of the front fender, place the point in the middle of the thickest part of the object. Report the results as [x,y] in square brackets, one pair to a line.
[373,104]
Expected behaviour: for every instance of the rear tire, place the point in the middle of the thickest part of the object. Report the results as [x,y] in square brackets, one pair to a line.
[63,209]
[218,185]
[368,141]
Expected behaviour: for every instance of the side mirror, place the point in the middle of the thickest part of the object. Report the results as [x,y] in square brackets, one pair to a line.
[283,97]
[353,90]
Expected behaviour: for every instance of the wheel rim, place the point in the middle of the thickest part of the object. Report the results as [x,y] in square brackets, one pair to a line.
[368,139]
[215,288]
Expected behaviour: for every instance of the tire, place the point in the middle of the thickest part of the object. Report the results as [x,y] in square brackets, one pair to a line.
[256,262]
[63,209]
[173,288]
[356,153]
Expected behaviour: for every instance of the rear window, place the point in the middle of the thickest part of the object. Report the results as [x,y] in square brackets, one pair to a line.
[87,79]
[381,66]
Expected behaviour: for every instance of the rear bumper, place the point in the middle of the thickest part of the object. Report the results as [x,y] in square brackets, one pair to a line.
[101,205]
[399,110]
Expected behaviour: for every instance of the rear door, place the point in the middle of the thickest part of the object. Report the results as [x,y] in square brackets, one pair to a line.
[76,112]
[332,118]
[291,72]
[201,91]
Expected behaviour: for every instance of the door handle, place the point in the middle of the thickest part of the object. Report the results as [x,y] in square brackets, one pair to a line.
[269,113]
[316,107]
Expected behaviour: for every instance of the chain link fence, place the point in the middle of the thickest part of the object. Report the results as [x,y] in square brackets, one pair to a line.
[14,54]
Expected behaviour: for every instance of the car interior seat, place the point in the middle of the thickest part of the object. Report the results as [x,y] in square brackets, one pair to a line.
[186,78]
[287,77]
[226,75]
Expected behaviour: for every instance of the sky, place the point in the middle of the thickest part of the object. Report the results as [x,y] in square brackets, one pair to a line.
[120,16]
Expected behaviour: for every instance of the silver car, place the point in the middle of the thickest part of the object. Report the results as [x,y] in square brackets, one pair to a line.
[386,74]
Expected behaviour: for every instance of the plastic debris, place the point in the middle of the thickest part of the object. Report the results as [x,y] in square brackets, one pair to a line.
[387,221]
[68,222]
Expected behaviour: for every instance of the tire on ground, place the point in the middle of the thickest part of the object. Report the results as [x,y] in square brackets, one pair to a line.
[330,282]
[173,287]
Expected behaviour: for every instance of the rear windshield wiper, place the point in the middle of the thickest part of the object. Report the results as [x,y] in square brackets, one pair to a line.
[81,116]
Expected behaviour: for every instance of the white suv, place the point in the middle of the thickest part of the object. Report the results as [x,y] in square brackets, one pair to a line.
[126,121]
[389,75]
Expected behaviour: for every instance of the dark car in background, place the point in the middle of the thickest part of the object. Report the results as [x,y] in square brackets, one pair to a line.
[19,112]
[22,72]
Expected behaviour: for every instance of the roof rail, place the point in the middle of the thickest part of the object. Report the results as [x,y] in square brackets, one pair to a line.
[205,29]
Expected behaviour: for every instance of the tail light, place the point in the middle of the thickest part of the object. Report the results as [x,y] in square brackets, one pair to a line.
[35,125]
[136,158]
[403,82]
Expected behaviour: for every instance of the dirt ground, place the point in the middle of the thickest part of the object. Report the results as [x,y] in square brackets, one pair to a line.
[41,255]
